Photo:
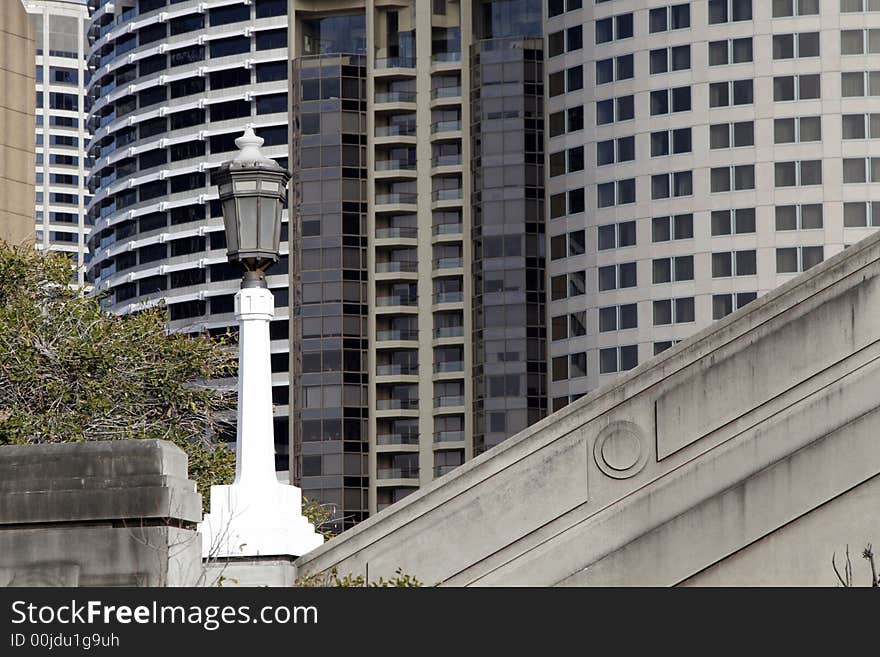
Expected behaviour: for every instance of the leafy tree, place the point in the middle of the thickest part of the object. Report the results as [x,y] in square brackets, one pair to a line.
[70,372]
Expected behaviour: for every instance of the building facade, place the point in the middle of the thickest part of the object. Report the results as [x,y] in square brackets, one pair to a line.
[62,225]
[699,155]
[407,121]
[17,110]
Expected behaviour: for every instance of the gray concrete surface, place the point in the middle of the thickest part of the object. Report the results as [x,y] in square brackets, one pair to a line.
[112,513]
[747,454]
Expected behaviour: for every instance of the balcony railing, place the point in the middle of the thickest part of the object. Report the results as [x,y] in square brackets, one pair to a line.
[391,165]
[449,366]
[396,369]
[395,96]
[397,231]
[396,266]
[405,198]
[449,332]
[448,297]
[447,194]
[397,473]
[440,470]
[446,160]
[397,129]
[446,126]
[396,404]
[397,334]
[448,436]
[454,56]
[447,229]
[448,263]
[395,62]
[397,438]
[446,92]
[397,300]
[449,400]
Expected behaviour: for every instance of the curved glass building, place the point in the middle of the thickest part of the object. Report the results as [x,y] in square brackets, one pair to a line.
[173,84]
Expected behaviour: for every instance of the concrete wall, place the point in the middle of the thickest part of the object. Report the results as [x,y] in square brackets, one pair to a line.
[747,454]
[17,108]
[114,513]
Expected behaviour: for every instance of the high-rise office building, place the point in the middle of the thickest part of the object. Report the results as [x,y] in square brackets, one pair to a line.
[173,85]
[60,28]
[699,155]
[417,151]
[16,125]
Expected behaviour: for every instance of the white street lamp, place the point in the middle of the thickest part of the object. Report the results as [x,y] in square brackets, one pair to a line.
[255,515]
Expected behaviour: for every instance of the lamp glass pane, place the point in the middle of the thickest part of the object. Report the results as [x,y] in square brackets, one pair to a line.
[267,223]
[230,222]
[247,212]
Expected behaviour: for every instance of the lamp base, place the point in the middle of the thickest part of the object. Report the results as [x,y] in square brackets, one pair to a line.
[257,520]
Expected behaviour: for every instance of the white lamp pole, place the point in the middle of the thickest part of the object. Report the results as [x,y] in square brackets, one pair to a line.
[255,515]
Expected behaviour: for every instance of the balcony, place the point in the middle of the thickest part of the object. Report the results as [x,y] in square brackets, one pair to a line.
[397,198]
[395,97]
[390,335]
[454,56]
[397,232]
[448,263]
[394,62]
[446,160]
[397,438]
[448,436]
[447,194]
[440,470]
[449,332]
[446,126]
[396,130]
[445,92]
[449,297]
[447,229]
[397,300]
[397,404]
[397,473]
[449,366]
[395,369]
[393,266]
[393,165]
[448,400]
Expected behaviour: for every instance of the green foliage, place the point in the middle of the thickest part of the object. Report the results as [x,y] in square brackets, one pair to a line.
[331,579]
[319,515]
[70,372]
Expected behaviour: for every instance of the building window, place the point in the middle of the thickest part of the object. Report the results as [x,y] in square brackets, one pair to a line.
[673,311]
[801,217]
[615,110]
[730,51]
[790,46]
[861,169]
[666,185]
[723,11]
[614,68]
[678,227]
[736,92]
[611,151]
[616,236]
[783,8]
[796,87]
[664,101]
[797,259]
[734,263]
[618,318]
[804,128]
[676,58]
[733,222]
[676,17]
[804,172]
[621,192]
[668,270]
[613,277]
[723,179]
[618,359]
[614,28]
[724,304]
[859,215]
[727,135]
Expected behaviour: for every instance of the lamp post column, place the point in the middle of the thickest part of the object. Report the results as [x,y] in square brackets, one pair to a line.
[255,447]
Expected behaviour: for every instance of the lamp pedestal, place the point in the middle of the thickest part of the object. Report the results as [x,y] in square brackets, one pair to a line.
[255,515]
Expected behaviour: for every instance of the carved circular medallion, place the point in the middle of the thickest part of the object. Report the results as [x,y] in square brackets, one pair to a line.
[621,450]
